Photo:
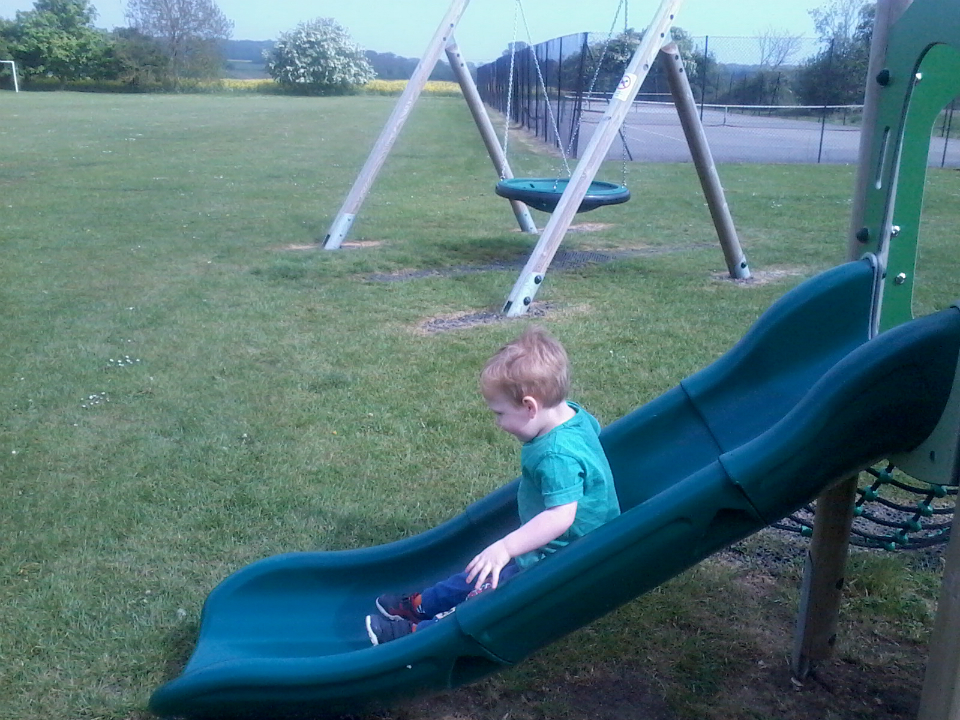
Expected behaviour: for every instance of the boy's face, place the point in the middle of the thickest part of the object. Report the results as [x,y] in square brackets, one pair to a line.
[518,420]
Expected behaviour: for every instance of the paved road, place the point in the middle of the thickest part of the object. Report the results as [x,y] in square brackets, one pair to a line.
[653,134]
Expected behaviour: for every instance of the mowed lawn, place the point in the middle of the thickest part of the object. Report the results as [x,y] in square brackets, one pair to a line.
[189,384]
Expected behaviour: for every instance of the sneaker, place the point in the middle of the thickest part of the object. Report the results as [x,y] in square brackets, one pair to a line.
[401,607]
[380,630]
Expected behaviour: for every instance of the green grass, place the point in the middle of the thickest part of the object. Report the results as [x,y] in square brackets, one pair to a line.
[182,393]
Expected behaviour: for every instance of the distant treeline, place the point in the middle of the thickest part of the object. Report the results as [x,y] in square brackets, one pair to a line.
[388,66]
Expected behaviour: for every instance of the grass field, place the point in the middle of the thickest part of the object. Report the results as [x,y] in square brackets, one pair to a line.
[186,389]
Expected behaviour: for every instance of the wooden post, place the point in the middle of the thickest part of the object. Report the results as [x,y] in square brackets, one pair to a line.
[703,160]
[388,136]
[487,132]
[824,573]
[656,35]
[823,578]
[941,684]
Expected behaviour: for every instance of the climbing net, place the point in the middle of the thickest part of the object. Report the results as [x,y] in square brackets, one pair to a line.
[893,511]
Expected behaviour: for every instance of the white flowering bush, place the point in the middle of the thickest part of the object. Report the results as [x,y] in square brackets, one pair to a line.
[318,55]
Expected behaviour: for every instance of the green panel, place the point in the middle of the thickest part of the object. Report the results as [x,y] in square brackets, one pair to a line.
[924,40]
[939,83]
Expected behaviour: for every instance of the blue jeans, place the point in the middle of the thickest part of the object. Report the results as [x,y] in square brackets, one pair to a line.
[443,597]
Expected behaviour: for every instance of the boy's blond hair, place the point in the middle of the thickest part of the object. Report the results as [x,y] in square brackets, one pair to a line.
[534,364]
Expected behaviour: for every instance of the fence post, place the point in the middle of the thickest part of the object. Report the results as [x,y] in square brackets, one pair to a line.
[948,121]
[823,129]
[574,148]
[703,75]
[823,117]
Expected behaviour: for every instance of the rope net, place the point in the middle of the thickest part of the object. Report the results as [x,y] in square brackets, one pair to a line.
[892,512]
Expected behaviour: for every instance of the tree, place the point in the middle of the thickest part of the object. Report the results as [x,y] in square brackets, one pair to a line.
[777,47]
[57,39]
[614,54]
[141,60]
[837,75]
[6,33]
[189,31]
[318,56]
[837,18]
[515,48]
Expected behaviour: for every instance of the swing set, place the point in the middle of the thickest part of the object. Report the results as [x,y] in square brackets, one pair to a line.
[580,191]
[544,193]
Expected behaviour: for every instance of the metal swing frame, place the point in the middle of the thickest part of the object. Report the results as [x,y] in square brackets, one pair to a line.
[656,40]
[443,41]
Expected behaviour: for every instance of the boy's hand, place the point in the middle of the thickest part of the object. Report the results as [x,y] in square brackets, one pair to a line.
[541,529]
[488,564]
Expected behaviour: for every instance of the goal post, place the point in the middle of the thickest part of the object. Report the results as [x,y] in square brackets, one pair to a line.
[13,73]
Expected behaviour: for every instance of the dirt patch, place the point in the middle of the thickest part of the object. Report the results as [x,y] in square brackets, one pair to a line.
[360,244]
[585,227]
[348,245]
[760,277]
[841,689]
[465,320]
[589,227]
[299,248]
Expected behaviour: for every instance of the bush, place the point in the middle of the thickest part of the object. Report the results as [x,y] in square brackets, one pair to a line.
[319,58]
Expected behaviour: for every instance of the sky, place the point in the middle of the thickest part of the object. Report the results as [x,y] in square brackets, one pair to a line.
[405,27]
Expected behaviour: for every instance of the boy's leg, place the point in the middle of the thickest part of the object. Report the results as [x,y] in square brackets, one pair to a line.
[449,593]
[509,570]
[445,595]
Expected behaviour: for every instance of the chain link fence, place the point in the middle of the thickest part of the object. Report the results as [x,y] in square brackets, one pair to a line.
[750,91]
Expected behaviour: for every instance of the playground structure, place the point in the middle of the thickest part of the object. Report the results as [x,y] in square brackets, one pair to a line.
[835,377]
[915,55]
[732,449]
[580,191]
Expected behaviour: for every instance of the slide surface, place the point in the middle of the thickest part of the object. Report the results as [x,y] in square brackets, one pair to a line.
[804,399]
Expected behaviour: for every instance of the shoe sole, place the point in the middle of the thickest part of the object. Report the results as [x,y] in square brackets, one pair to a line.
[374,640]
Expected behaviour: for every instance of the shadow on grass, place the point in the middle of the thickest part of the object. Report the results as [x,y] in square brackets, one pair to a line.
[466,250]
[179,643]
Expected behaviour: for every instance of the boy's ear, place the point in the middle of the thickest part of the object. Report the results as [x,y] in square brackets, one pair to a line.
[531,405]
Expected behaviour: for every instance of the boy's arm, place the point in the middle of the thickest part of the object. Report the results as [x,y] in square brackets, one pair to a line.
[541,529]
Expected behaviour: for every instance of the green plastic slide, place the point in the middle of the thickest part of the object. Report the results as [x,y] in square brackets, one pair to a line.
[804,399]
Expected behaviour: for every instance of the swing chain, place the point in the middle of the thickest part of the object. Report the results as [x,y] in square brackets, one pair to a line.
[596,70]
[513,57]
[518,15]
[543,89]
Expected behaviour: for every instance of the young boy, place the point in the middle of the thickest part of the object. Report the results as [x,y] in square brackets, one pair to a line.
[566,487]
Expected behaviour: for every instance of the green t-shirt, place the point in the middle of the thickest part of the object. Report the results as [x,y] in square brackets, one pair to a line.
[565,465]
